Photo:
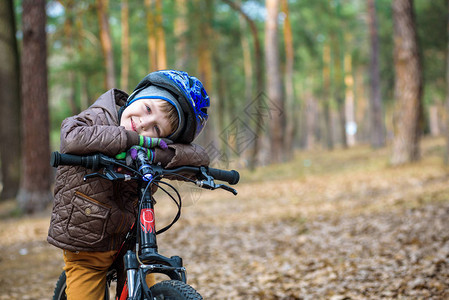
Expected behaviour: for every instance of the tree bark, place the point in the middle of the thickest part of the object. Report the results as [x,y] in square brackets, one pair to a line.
[180,30]
[289,86]
[204,50]
[338,82]
[160,38]
[125,46]
[446,157]
[311,116]
[258,70]
[434,122]
[329,141]
[274,84]
[10,108]
[151,40]
[351,125]
[106,43]
[69,48]
[408,85]
[247,63]
[156,35]
[205,44]
[34,194]
[377,135]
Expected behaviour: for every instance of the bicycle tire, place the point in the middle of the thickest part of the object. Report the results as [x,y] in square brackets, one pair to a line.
[59,292]
[174,290]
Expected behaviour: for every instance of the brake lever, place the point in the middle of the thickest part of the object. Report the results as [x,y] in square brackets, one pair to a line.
[108,174]
[211,185]
[227,188]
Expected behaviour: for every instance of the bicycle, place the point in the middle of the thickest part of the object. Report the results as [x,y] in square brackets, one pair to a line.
[139,255]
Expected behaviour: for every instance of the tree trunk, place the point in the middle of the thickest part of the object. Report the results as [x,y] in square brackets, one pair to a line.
[125,46]
[311,116]
[338,85]
[341,115]
[289,86]
[434,123]
[34,194]
[69,48]
[274,84]
[204,52]
[254,110]
[408,85]
[248,72]
[446,157]
[221,106]
[362,108]
[205,44]
[180,30]
[247,63]
[329,141]
[160,38]
[106,43]
[156,35]
[151,41]
[10,108]
[351,125]
[377,135]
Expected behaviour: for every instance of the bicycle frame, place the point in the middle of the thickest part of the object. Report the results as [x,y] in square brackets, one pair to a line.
[138,266]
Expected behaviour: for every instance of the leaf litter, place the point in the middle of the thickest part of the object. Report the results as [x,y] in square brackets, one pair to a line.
[355,232]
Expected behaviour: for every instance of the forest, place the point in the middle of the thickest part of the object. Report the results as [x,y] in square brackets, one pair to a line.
[282,75]
[338,108]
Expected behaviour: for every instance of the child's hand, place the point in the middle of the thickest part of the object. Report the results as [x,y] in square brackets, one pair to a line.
[150,143]
[131,154]
[147,143]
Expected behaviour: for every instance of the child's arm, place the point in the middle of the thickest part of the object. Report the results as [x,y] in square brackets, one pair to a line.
[181,155]
[85,133]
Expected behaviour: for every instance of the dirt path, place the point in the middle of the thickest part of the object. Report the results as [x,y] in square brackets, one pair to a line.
[374,232]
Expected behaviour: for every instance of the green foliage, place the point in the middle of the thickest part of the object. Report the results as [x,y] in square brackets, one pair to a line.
[76,61]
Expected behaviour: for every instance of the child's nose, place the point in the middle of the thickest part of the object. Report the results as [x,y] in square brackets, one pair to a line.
[146,121]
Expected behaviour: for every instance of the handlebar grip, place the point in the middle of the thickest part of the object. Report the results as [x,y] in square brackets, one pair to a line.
[61,159]
[231,177]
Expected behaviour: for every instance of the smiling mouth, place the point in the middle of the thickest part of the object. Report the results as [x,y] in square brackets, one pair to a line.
[133,126]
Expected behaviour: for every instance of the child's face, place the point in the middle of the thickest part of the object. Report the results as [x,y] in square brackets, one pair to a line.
[145,117]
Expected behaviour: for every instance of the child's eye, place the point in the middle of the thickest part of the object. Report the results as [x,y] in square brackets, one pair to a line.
[158,130]
[148,108]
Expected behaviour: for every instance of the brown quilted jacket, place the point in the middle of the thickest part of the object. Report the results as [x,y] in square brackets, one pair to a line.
[95,215]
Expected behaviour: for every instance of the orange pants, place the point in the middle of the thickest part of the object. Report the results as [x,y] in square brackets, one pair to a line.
[86,274]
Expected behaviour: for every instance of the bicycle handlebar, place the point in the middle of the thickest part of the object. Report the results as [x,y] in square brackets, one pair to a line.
[231,177]
[88,161]
[96,161]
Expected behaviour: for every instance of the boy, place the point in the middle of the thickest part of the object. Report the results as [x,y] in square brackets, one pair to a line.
[89,219]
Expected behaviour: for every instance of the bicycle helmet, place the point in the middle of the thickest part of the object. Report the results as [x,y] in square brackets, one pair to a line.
[190,99]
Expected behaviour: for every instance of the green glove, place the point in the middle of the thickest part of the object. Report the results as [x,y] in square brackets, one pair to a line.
[149,143]
[132,152]
[131,155]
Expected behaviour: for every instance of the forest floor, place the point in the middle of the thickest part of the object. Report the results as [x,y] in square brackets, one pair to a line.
[329,225]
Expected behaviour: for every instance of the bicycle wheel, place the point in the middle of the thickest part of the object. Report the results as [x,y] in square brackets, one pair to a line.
[174,290]
[59,293]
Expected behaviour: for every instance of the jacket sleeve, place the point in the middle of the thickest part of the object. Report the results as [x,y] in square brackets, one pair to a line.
[182,155]
[88,133]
